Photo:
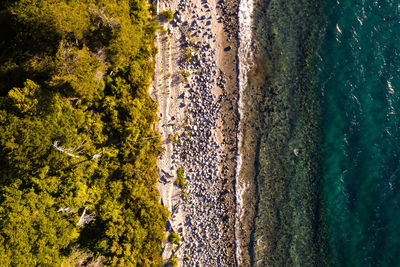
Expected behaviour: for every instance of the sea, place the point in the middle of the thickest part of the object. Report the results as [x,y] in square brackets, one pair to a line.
[327,164]
[359,82]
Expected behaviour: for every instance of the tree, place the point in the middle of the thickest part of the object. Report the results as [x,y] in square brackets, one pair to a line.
[75,182]
[33,232]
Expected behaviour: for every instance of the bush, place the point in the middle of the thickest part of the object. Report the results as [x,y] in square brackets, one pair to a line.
[173,262]
[188,54]
[181,181]
[185,75]
[174,238]
[167,14]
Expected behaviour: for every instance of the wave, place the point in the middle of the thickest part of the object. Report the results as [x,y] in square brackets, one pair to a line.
[245,63]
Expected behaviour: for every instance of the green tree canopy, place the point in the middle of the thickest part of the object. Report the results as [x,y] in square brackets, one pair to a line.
[76,184]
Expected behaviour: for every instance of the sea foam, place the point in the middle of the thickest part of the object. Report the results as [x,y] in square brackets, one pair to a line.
[245,62]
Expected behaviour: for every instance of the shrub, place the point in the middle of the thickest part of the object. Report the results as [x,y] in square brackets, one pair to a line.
[188,54]
[185,75]
[174,238]
[181,181]
[167,14]
[173,262]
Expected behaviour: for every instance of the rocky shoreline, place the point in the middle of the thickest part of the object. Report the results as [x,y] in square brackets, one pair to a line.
[195,85]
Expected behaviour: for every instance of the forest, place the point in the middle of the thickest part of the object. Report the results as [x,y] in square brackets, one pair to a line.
[78,169]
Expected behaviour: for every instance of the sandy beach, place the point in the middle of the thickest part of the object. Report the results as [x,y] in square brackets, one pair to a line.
[195,85]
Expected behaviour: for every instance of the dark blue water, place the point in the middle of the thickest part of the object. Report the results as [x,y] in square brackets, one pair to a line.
[360,76]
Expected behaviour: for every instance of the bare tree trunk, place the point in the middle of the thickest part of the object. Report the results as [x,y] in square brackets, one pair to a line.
[69,151]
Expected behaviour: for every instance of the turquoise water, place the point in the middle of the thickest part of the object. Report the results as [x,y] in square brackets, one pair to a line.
[360,80]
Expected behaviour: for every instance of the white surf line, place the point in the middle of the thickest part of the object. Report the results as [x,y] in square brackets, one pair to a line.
[245,61]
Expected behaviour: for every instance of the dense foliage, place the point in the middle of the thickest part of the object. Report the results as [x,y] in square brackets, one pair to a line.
[78,171]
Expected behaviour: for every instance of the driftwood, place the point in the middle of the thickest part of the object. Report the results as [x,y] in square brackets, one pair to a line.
[72,152]
[147,138]
[97,156]
[85,218]
[66,209]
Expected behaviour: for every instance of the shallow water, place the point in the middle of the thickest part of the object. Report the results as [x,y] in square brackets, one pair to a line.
[287,227]
[360,83]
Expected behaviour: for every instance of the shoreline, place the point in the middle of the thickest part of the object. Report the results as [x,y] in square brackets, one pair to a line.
[251,155]
[247,133]
[195,85]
